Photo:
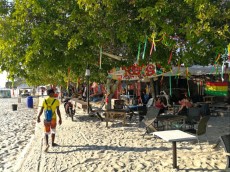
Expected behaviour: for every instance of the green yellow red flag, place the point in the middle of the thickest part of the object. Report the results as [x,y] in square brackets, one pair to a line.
[216,88]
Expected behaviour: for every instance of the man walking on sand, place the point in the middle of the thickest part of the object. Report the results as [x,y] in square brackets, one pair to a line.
[50,124]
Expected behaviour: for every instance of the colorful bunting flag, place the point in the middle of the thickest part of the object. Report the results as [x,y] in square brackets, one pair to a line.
[68,78]
[100,57]
[170,58]
[138,54]
[217,58]
[152,47]
[143,55]
[229,52]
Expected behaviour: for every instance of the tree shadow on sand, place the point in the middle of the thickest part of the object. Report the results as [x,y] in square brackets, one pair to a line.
[86,117]
[201,169]
[104,149]
[75,148]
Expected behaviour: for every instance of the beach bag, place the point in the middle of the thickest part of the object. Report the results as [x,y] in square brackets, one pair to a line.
[48,111]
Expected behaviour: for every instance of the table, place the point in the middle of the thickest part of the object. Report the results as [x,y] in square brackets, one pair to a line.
[136,107]
[80,103]
[126,96]
[168,119]
[139,110]
[113,113]
[218,108]
[174,136]
[200,103]
[176,108]
[208,99]
[228,107]
[219,105]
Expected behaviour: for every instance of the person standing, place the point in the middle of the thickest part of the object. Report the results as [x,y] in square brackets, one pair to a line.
[84,92]
[50,125]
[42,92]
[144,97]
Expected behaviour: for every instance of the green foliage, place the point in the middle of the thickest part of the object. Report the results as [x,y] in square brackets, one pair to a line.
[40,40]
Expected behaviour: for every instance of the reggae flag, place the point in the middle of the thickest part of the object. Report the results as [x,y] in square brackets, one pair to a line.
[216,88]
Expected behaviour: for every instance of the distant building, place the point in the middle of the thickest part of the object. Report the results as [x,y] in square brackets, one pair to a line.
[5,93]
[24,90]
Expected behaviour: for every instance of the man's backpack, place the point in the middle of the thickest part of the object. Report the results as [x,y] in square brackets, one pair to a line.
[48,111]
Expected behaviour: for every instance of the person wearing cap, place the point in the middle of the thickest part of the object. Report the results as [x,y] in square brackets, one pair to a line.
[50,126]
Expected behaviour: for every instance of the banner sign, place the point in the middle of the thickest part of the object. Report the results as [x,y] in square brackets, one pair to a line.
[216,88]
[133,72]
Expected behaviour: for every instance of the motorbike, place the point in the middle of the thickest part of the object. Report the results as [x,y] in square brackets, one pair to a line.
[69,108]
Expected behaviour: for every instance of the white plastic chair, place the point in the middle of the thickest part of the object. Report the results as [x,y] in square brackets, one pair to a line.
[150,103]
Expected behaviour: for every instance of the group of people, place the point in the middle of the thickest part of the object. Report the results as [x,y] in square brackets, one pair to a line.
[184,103]
[53,104]
[96,91]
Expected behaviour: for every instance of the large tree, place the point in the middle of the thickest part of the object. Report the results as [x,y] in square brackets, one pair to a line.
[41,40]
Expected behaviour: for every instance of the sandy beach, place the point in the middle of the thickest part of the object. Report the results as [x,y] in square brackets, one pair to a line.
[85,144]
[17,128]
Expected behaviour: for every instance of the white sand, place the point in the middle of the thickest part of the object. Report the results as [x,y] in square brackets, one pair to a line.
[87,145]
[16,129]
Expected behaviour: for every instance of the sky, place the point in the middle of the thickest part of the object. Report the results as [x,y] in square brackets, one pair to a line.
[3,79]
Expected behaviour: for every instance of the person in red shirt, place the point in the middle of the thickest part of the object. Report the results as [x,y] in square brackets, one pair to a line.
[98,92]
[185,104]
[159,104]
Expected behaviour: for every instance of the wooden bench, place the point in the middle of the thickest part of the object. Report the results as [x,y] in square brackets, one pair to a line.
[80,104]
[116,114]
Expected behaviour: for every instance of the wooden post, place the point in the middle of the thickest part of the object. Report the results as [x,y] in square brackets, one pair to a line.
[152,88]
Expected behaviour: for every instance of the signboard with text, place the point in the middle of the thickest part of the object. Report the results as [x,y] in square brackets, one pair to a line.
[133,72]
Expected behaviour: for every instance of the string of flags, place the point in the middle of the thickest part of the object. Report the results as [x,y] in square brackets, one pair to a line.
[164,41]
[100,57]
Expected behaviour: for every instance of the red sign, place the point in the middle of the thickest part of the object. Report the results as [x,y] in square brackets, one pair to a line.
[135,71]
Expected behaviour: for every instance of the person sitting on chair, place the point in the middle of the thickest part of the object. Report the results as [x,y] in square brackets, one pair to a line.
[185,104]
[144,97]
[160,105]
[97,93]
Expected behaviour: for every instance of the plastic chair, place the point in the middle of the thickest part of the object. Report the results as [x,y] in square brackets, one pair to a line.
[150,103]
[194,114]
[151,120]
[225,139]
[205,110]
[201,128]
